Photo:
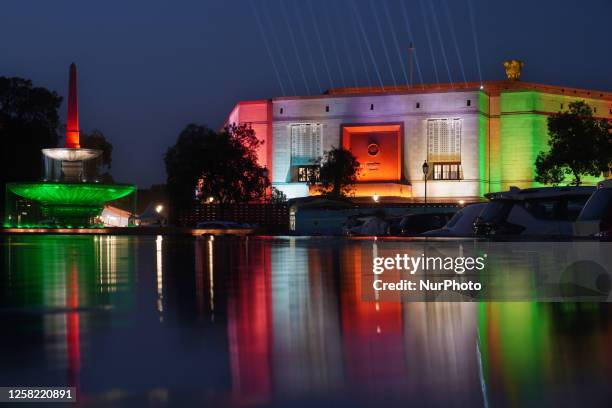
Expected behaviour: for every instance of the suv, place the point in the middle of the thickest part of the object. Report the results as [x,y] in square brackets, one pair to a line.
[533,211]
[461,224]
[595,219]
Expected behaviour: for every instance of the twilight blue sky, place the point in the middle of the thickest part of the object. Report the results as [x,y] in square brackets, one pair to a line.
[147,68]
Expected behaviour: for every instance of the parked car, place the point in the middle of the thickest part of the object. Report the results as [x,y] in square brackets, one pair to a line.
[461,224]
[394,225]
[595,219]
[353,222]
[533,211]
[414,224]
[367,225]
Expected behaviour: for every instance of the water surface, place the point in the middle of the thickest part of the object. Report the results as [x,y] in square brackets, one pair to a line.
[274,321]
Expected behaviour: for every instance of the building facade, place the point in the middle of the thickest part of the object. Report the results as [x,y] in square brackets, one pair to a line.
[476,138]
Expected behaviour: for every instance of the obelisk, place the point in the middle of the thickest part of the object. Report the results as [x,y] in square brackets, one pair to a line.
[72,123]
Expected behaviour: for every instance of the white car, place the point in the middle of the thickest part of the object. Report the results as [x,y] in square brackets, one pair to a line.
[595,219]
[548,211]
[371,226]
[461,224]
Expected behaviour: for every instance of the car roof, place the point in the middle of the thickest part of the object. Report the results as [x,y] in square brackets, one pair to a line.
[518,194]
[473,207]
[605,184]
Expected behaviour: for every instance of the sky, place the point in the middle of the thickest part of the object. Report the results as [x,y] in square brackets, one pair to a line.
[148,68]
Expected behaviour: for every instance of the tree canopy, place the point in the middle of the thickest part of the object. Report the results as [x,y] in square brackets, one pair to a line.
[579,145]
[96,140]
[29,122]
[338,172]
[222,165]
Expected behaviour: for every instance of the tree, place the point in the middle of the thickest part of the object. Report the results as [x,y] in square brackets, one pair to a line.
[29,122]
[338,172]
[579,145]
[96,140]
[222,165]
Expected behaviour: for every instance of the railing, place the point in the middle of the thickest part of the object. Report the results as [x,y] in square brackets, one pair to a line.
[269,217]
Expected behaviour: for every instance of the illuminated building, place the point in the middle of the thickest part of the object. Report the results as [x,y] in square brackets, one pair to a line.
[476,137]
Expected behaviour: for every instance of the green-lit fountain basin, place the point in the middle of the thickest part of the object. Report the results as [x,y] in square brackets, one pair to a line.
[70,204]
[78,194]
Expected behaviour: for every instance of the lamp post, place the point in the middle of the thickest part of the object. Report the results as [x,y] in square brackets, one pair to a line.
[425,172]
[265,174]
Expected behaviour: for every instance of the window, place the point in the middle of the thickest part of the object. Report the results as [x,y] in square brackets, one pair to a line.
[418,105]
[560,209]
[444,148]
[326,108]
[305,143]
[307,174]
[281,111]
[469,102]
[371,106]
[447,171]
[444,140]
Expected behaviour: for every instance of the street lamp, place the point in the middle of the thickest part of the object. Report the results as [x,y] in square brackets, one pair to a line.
[265,174]
[425,172]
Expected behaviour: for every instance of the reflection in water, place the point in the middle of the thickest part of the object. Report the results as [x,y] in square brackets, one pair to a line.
[260,320]
[160,276]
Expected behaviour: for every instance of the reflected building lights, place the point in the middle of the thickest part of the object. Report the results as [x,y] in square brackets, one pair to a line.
[107,263]
[374,256]
[211,281]
[160,277]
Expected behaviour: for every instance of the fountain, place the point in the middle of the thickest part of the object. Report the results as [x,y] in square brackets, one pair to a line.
[71,193]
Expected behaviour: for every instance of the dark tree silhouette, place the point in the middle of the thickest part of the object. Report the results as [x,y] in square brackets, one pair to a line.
[579,145]
[96,140]
[29,122]
[338,172]
[222,165]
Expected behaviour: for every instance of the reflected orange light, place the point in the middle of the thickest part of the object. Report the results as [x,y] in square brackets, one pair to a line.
[73,338]
[372,331]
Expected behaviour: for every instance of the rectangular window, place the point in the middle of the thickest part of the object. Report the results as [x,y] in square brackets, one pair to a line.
[306,174]
[305,143]
[447,171]
[444,140]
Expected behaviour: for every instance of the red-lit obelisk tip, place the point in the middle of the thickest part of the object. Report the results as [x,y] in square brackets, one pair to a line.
[72,124]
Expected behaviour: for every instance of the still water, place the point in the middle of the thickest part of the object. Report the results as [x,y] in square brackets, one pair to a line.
[263,321]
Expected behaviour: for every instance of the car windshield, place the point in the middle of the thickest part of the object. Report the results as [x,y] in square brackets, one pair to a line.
[453,221]
[494,210]
[600,201]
